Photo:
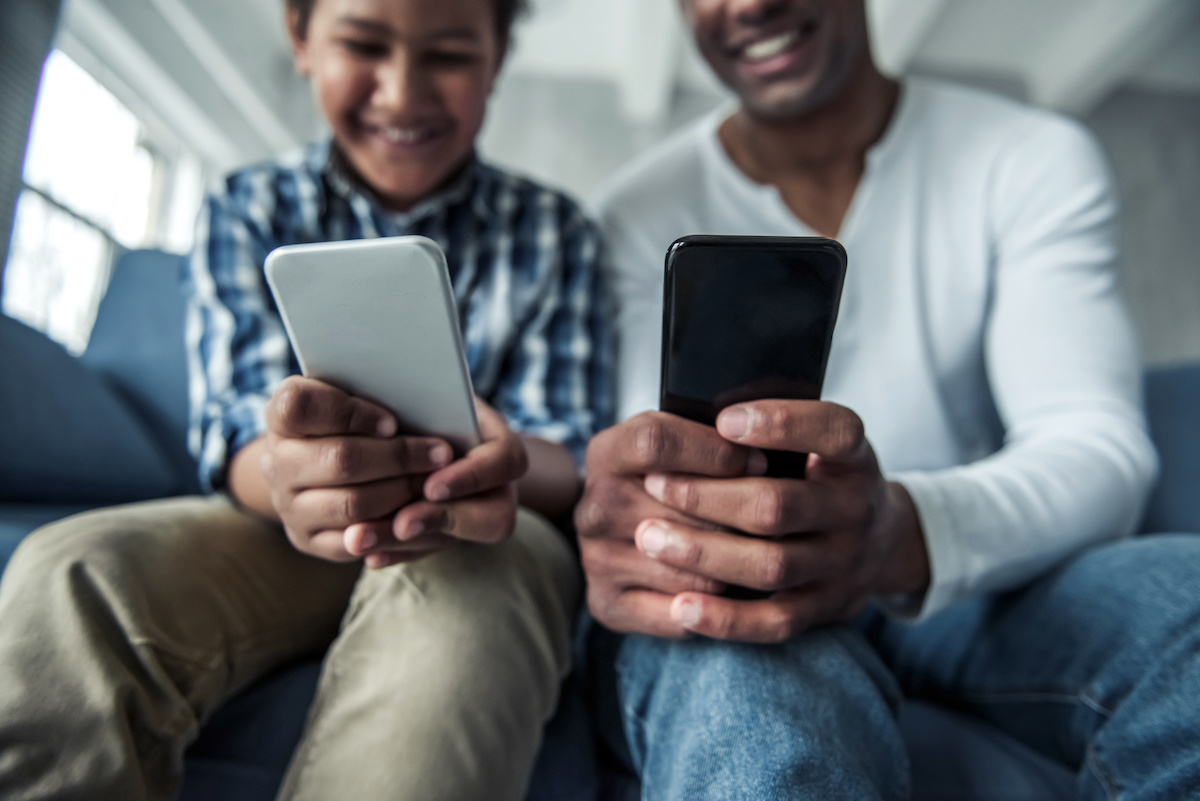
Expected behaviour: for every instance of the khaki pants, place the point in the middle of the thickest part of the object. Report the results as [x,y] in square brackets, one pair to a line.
[122,630]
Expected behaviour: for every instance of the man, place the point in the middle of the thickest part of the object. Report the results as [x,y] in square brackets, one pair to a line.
[983,429]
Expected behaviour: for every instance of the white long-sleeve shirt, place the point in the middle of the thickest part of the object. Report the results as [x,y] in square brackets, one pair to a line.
[982,337]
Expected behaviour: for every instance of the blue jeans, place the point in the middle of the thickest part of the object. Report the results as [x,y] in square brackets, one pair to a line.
[1096,664]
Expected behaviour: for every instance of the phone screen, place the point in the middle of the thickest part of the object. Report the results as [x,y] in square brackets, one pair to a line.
[748,318]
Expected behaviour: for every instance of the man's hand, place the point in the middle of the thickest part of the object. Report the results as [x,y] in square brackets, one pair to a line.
[332,461]
[823,546]
[627,590]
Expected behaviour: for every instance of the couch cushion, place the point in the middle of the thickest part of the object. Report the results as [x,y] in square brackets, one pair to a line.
[1173,410]
[138,345]
[955,757]
[65,436]
[18,520]
[245,747]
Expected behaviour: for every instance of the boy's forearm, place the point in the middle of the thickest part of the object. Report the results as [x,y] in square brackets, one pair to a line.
[551,485]
[248,484]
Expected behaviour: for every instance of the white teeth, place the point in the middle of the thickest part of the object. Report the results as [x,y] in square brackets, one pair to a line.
[404,136]
[769,48]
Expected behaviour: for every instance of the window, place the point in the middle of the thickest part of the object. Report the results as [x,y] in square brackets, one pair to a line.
[95,185]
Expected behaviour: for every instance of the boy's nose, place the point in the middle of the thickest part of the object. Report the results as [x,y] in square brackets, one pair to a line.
[399,83]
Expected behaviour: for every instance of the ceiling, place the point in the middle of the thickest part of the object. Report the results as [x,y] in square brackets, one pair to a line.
[217,72]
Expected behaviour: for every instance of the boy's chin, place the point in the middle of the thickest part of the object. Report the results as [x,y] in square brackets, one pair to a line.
[400,186]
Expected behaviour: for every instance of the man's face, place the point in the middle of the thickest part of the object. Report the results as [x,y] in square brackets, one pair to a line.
[404,85]
[783,58]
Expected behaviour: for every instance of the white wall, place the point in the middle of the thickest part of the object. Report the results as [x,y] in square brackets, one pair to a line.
[1153,139]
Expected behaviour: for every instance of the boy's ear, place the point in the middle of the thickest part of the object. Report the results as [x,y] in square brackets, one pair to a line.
[299,42]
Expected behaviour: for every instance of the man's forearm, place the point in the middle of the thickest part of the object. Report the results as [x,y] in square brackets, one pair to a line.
[551,485]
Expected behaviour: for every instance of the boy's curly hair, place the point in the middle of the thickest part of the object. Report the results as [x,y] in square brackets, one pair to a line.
[507,12]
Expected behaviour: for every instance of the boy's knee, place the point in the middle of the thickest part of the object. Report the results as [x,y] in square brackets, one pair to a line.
[117,548]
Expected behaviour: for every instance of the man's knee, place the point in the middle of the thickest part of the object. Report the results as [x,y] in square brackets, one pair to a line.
[1152,579]
[825,663]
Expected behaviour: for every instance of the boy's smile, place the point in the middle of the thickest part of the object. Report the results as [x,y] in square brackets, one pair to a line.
[404,84]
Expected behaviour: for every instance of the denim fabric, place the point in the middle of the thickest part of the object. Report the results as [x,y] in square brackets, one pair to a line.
[813,718]
[1096,664]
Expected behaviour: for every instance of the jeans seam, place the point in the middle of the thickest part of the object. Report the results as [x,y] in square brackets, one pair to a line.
[1093,762]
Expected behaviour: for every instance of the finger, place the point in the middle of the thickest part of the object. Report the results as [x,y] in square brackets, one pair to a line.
[637,611]
[340,461]
[779,618]
[612,508]
[305,407]
[492,424]
[500,459]
[762,564]
[656,442]
[341,507]
[376,537]
[379,561]
[833,431]
[488,518]
[493,464]
[327,544]
[621,565]
[762,506]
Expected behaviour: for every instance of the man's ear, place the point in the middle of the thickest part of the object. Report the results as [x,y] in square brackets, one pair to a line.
[299,40]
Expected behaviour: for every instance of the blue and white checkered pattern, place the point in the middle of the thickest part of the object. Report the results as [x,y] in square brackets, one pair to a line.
[524,261]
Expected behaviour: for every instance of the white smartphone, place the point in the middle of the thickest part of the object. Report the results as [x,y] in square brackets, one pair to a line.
[376,317]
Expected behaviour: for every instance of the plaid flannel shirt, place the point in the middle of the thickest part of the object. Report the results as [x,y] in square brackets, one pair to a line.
[524,261]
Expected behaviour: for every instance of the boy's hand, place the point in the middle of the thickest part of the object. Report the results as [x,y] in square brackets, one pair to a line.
[332,461]
[474,499]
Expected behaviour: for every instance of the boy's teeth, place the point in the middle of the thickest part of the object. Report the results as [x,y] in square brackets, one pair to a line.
[404,136]
[769,48]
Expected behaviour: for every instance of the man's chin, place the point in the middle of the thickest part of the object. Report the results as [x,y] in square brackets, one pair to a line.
[781,106]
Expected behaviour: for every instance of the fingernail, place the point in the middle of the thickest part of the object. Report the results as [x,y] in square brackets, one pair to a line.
[653,540]
[368,540]
[386,427]
[735,422]
[656,485]
[756,465]
[413,530]
[437,492]
[687,613]
[441,455]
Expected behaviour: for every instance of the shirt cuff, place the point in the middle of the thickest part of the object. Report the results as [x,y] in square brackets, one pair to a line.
[948,574]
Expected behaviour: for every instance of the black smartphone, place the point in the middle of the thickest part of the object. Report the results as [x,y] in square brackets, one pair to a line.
[748,318]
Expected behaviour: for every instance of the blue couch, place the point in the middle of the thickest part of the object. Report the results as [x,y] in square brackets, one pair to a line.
[108,427]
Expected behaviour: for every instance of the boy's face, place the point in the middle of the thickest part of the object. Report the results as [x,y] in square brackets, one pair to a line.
[783,58]
[404,84]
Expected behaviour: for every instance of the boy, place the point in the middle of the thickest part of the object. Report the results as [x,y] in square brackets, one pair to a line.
[124,629]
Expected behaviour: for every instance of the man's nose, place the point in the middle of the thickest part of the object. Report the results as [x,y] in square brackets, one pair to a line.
[755,12]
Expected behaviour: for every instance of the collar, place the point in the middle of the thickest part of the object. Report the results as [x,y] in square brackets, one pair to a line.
[468,184]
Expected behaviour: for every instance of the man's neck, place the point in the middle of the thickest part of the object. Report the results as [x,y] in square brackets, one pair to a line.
[816,159]
[839,131]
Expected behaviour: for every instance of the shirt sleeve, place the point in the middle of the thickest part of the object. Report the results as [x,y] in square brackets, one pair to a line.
[1062,363]
[238,351]
[558,381]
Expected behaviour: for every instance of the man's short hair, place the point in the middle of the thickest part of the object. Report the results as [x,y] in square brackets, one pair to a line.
[507,12]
